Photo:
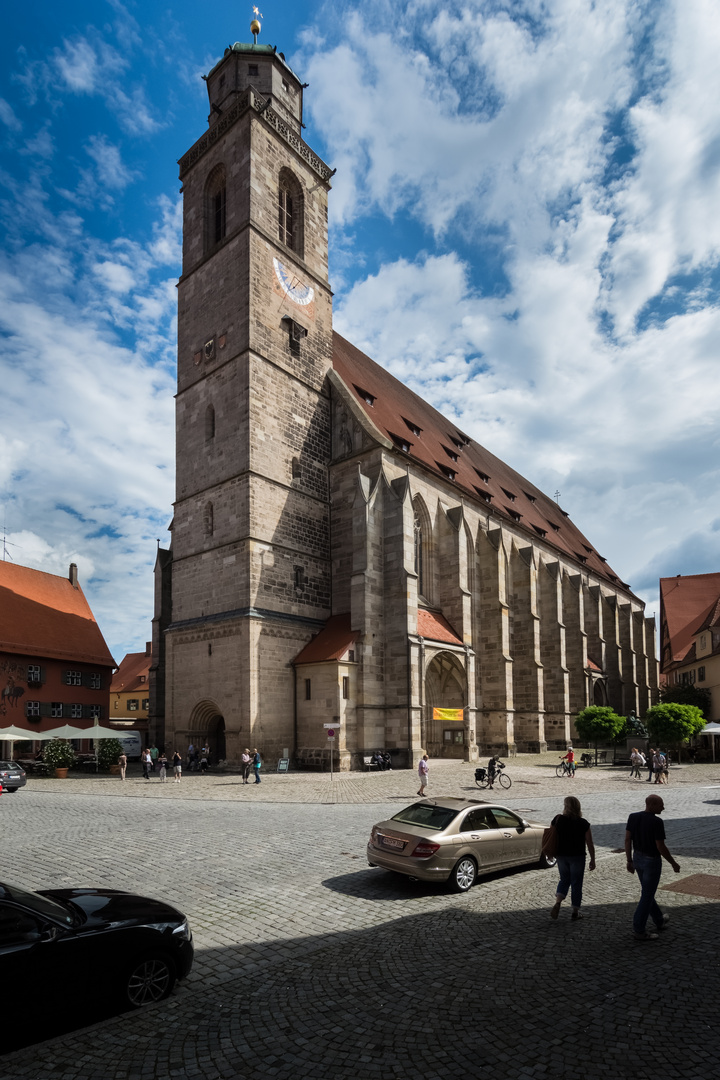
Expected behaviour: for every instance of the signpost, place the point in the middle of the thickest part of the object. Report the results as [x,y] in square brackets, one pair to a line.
[283,764]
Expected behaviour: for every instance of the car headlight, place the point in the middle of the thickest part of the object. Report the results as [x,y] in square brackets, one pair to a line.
[183,931]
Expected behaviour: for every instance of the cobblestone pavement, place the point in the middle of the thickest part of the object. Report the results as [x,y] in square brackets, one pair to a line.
[311,964]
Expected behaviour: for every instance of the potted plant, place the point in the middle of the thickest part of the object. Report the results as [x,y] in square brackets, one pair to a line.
[59,754]
[108,754]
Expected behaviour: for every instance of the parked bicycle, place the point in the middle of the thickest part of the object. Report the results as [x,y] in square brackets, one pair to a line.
[483,779]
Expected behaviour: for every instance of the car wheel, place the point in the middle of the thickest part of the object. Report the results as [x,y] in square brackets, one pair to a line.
[148,980]
[10,790]
[547,861]
[463,874]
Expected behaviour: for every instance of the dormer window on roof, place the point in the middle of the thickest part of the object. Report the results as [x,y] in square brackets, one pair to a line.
[563,512]
[450,453]
[464,438]
[555,528]
[539,531]
[401,443]
[588,549]
[484,495]
[367,397]
[601,558]
[457,442]
[582,558]
[529,496]
[446,471]
[509,494]
[413,427]
[513,514]
[483,476]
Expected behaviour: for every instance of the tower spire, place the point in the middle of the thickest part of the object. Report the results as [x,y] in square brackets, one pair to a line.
[255,24]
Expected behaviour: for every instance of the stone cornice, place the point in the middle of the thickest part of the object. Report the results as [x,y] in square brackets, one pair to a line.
[245,101]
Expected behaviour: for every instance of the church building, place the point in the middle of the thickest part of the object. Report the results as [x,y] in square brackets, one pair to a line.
[341,553]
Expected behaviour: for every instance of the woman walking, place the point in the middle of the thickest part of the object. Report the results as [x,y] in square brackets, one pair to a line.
[256,764]
[637,760]
[574,836]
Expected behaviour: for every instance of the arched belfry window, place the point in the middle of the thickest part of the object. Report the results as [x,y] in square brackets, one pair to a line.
[290,211]
[215,207]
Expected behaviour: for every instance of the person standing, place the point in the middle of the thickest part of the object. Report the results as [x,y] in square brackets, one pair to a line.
[146,763]
[256,763]
[245,760]
[423,774]
[637,760]
[177,767]
[649,763]
[153,756]
[658,764]
[122,762]
[645,850]
[574,837]
[162,765]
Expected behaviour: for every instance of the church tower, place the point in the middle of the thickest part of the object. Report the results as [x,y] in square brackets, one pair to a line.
[250,535]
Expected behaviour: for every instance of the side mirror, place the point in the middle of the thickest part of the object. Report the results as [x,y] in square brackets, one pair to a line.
[523,825]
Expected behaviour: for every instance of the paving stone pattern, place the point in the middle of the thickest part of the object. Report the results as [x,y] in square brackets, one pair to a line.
[310,964]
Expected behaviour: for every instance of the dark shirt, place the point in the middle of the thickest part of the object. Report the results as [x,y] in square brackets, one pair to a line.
[571,834]
[645,829]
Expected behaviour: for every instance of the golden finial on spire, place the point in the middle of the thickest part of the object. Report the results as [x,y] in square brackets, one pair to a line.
[255,24]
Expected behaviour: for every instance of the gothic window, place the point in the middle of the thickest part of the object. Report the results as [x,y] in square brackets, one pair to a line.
[208,519]
[422,537]
[419,554]
[290,211]
[215,208]
[209,423]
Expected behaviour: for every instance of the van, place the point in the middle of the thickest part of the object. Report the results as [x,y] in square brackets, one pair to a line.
[131,744]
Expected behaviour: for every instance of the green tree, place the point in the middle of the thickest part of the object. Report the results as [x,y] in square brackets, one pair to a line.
[599,723]
[59,754]
[671,723]
[109,752]
[687,694]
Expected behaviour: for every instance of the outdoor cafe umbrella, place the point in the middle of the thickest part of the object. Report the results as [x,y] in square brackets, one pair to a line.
[14,734]
[711,729]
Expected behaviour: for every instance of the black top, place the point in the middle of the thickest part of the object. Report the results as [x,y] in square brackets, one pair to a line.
[571,834]
[645,829]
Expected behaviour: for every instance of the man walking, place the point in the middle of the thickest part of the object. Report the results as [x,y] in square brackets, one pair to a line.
[645,850]
[423,773]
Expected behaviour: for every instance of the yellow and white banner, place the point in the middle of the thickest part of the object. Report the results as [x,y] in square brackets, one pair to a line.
[454,715]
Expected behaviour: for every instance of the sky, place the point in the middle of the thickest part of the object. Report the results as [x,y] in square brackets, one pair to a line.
[524,228]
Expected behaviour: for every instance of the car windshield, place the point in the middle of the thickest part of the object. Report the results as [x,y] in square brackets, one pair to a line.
[11,765]
[41,905]
[430,817]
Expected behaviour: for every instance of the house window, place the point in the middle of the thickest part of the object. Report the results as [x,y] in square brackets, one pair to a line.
[95,681]
[33,673]
[146,703]
[351,656]
[308,689]
[454,736]
[132,704]
[76,712]
[32,708]
[346,687]
[252,69]
[56,709]
[94,712]
[701,674]
[73,678]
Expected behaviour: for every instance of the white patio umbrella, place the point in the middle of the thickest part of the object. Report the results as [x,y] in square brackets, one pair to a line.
[14,734]
[711,729]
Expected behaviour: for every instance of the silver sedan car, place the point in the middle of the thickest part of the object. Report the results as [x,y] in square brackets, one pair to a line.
[455,840]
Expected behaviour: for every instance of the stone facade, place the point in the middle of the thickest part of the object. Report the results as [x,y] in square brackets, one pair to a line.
[298,500]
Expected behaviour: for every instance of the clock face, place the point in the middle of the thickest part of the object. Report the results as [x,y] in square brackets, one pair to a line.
[292,286]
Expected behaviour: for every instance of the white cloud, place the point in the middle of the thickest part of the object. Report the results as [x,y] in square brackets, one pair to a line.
[111,171]
[8,117]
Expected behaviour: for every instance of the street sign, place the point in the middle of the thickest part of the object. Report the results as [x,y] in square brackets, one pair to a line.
[336,724]
[331,733]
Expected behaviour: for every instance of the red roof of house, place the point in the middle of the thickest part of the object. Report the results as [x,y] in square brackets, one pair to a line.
[45,615]
[435,627]
[133,673]
[689,603]
[330,644]
[511,498]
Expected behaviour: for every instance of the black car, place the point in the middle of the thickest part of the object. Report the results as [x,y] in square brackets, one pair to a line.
[12,776]
[85,945]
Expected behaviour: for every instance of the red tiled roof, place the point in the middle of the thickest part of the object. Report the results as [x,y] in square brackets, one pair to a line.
[689,605]
[333,640]
[394,404]
[45,615]
[435,627]
[593,666]
[128,676]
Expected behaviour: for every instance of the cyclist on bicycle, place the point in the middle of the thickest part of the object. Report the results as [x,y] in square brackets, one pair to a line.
[570,758]
[494,766]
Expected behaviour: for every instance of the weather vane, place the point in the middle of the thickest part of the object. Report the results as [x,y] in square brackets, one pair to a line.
[255,24]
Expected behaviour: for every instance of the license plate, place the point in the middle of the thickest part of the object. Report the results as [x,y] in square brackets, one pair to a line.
[391,842]
[14,775]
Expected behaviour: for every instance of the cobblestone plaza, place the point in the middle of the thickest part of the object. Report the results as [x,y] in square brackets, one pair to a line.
[311,964]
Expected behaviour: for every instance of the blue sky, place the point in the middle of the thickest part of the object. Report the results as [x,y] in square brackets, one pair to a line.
[524,227]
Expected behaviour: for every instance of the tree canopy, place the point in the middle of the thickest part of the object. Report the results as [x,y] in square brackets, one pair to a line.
[688,694]
[599,723]
[671,723]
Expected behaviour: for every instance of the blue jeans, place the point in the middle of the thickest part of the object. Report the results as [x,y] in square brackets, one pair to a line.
[648,871]
[572,872]
[257,775]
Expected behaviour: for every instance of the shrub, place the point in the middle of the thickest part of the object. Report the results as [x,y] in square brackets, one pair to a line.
[109,752]
[59,754]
